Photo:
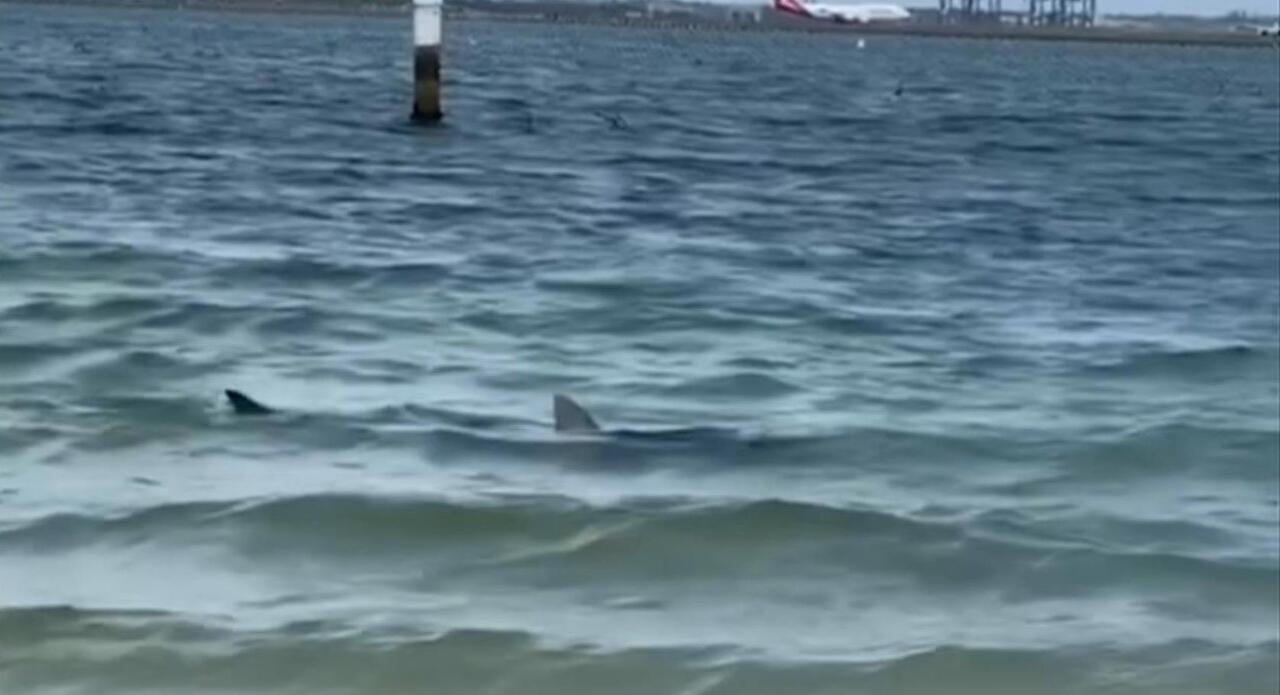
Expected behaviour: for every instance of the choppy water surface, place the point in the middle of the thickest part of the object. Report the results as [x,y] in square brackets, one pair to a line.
[980,339]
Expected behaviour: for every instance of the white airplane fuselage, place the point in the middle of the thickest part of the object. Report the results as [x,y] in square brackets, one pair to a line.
[838,12]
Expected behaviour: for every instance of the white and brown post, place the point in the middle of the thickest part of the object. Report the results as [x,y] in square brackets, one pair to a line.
[426,60]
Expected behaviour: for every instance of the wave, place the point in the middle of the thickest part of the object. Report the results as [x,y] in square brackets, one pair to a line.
[1229,361]
[111,314]
[743,384]
[703,448]
[126,371]
[73,259]
[108,651]
[1167,667]
[300,271]
[666,538]
[1173,449]
[19,357]
[380,522]
[143,388]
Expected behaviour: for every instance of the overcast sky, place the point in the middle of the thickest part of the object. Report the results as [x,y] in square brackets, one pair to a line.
[1184,6]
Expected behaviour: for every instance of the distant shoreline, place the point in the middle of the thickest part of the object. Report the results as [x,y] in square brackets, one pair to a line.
[530,13]
[285,7]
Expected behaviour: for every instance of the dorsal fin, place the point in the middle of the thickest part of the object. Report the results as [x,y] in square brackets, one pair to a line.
[571,417]
[244,405]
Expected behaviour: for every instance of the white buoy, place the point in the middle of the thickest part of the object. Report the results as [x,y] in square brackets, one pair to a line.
[427,16]
[862,43]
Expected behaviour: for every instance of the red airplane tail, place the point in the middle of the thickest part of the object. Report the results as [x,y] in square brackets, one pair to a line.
[790,7]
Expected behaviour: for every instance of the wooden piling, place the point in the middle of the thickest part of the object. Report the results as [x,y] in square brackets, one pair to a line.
[427,16]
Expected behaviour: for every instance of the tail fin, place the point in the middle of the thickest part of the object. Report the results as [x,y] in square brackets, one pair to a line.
[244,405]
[791,7]
[571,417]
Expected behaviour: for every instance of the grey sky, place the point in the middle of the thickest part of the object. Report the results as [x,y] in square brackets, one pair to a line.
[1215,7]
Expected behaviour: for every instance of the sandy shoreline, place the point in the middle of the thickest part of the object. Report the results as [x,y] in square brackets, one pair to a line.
[602,16]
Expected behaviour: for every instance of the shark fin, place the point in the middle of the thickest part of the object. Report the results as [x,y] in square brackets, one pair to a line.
[571,417]
[244,405]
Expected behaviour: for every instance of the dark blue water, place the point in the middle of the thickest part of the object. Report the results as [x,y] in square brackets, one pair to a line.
[979,342]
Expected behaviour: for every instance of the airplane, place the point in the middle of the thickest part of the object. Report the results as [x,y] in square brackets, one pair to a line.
[1259,29]
[842,13]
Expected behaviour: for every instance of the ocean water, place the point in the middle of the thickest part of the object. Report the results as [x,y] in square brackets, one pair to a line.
[955,363]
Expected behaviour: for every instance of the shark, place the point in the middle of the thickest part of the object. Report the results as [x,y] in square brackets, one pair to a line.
[569,418]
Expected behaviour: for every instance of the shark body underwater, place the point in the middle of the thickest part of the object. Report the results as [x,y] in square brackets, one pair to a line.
[570,418]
